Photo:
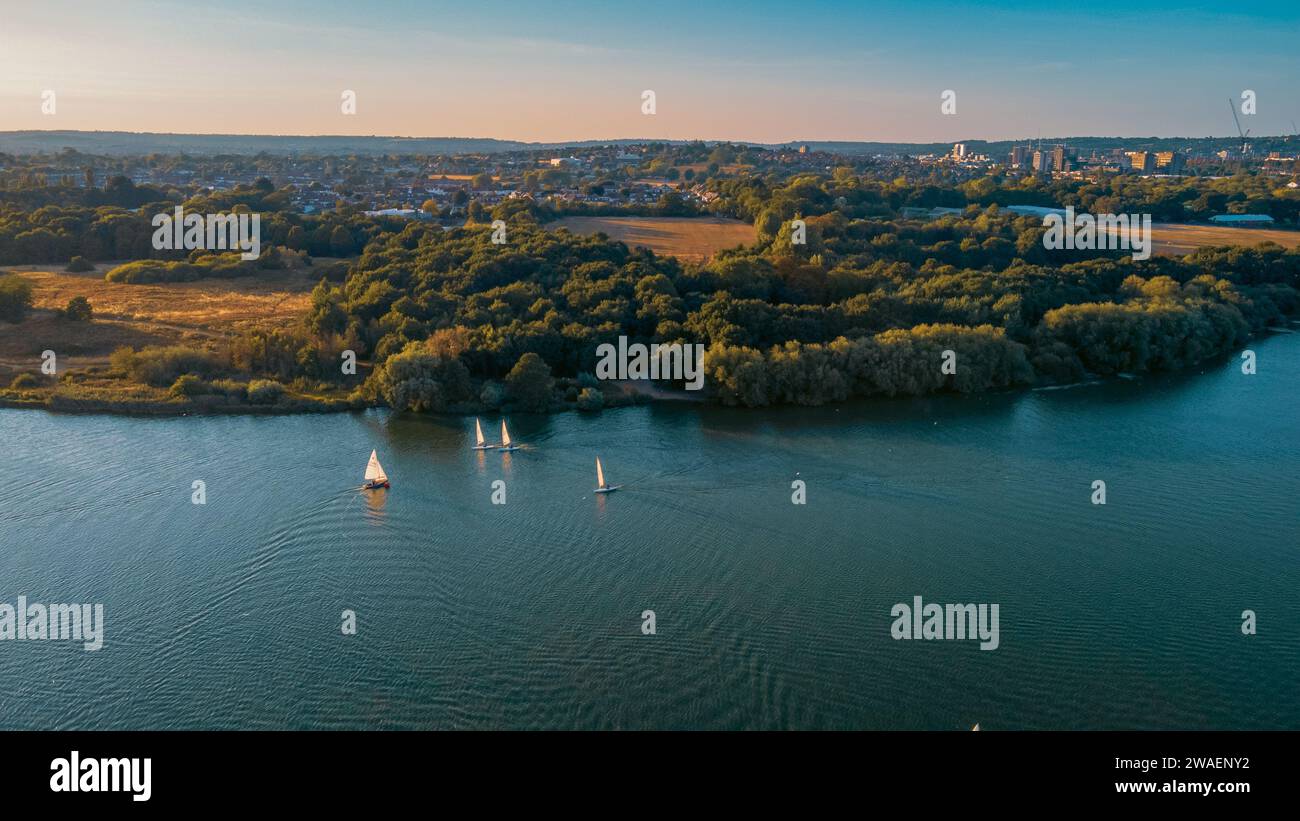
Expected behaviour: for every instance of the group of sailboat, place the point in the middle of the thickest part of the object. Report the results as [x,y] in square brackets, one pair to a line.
[376,478]
[480,443]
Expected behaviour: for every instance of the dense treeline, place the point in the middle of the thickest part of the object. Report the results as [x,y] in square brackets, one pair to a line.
[871,304]
[866,307]
[767,200]
[53,233]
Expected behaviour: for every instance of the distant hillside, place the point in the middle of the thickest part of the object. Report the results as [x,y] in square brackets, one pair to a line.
[130,143]
[125,142]
[1084,145]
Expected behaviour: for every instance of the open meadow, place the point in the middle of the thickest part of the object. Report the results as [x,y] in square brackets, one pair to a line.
[199,312]
[688,238]
[1172,239]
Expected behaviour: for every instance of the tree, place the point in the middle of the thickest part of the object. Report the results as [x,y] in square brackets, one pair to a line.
[296,238]
[529,383]
[419,380]
[78,310]
[15,297]
[326,314]
[341,241]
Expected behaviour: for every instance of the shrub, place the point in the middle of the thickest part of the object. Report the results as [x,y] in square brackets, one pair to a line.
[78,310]
[15,297]
[231,388]
[162,365]
[591,400]
[187,385]
[25,380]
[79,265]
[265,391]
[202,265]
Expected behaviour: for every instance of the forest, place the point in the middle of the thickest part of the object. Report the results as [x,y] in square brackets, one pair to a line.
[866,308]
[868,305]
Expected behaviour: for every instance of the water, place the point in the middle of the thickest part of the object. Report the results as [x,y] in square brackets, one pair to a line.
[769,615]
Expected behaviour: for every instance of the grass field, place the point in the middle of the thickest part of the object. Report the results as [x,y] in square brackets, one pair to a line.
[1171,239]
[697,239]
[689,238]
[191,312]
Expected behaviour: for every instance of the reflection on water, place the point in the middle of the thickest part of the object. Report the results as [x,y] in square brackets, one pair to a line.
[375,502]
[769,614]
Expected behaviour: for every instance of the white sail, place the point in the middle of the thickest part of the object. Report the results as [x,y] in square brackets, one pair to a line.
[600,474]
[505,434]
[374,470]
[478,431]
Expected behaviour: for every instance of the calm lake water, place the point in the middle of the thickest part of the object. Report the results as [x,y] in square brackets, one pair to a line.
[769,615]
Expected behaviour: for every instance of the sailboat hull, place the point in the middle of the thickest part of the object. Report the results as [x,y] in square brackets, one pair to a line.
[485,447]
[508,449]
[607,489]
[375,486]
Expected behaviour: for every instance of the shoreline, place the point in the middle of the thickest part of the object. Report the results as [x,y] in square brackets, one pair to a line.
[83,407]
[623,393]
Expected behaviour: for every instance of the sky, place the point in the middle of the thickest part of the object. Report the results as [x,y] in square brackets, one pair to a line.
[556,71]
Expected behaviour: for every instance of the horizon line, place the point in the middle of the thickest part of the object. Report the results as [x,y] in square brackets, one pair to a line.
[610,140]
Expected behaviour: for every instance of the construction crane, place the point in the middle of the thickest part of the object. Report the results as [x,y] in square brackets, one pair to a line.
[1245,146]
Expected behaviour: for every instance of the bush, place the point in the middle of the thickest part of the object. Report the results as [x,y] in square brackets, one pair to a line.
[265,391]
[15,297]
[591,400]
[203,265]
[78,310]
[230,388]
[162,365]
[25,380]
[79,265]
[188,385]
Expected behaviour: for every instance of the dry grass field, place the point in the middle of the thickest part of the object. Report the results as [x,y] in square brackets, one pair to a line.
[1175,240]
[138,315]
[688,238]
[697,239]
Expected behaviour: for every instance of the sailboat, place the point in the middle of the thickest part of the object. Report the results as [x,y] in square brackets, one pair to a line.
[505,439]
[601,487]
[375,476]
[478,436]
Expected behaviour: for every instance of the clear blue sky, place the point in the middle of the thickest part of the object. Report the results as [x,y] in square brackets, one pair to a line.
[757,70]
